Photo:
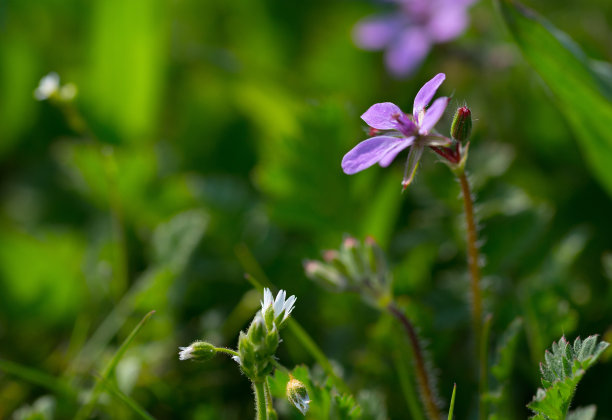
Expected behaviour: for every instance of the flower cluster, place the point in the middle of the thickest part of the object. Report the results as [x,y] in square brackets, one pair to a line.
[256,350]
[398,131]
[49,88]
[357,267]
[408,34]
[256,347]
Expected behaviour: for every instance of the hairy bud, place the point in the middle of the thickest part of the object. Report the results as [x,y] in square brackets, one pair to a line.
[297,394]
[199,351]
[462,124]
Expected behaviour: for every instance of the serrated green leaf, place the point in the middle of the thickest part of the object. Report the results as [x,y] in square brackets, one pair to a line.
[563,368]
[587,347]
[579,92]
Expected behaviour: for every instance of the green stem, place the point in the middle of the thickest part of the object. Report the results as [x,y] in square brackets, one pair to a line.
[111,172]
[121,268]
[269,403]
[227,351]
[425,382]
[260,401]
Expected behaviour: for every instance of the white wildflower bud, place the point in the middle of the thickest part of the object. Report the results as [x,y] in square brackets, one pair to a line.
[297,394]
[199,351]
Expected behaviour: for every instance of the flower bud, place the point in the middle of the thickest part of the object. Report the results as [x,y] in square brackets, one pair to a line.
[272,341]
[325,274]
[462,124]
[199,351]
[257,331]
[297,394]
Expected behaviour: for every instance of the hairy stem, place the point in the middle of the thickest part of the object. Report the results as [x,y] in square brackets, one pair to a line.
[260,401]
[227,351]
[473,257]
[483,383]
[423,379]
[269,403]
[473,262]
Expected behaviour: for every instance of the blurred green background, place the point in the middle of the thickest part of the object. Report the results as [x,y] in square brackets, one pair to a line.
[214,137]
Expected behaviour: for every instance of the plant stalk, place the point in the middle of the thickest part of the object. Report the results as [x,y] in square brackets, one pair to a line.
[260,401]
[473,258]
[425,383]
[475,276]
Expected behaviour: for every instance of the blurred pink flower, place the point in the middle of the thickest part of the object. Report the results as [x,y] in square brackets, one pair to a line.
[408,34]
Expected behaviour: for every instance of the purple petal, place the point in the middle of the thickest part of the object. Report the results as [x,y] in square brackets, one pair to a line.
[375,33]
[368,152]
[433,115]
[427,92]
[381,116]
[407,52]
[392,153]
[448,23]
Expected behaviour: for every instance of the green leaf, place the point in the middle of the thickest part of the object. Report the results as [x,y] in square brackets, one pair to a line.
[127,400]
[452,403]
[38,377]
[499,400]
[87,409]
[563,368]
[578,90]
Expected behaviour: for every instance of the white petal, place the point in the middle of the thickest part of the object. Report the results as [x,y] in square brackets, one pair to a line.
[268,299]
[289,305]
[279,303]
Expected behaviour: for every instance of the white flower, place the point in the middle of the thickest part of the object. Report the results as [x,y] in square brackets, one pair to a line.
[200,351]
[185,353]
[281,307]
[48,86]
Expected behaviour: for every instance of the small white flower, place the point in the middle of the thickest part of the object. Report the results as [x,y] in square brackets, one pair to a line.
[48,86]
[282,307]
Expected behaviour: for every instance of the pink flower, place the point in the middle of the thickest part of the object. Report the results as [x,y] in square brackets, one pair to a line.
[400,131]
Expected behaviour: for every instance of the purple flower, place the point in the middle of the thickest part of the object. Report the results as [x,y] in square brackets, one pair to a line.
[408,34]
[399,132]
